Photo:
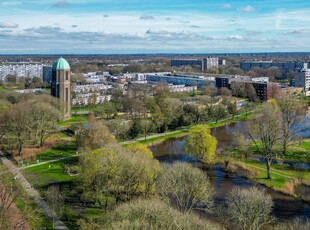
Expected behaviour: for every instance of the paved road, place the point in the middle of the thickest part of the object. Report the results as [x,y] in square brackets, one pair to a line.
[33,194]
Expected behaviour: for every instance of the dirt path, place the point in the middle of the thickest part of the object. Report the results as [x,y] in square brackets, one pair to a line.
[264,169]
[33,194]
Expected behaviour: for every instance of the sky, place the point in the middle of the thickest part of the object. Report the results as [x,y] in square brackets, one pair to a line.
[159,26]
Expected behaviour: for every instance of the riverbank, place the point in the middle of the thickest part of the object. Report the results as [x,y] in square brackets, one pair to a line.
[284,179]
[157,139]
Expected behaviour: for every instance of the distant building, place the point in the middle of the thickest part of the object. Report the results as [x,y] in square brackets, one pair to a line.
[91,94]
[61,84]
[210,62]
[302,79]
[285,66]
[47,74]
[203,64]
[21,71]
[186,80]
[263,88]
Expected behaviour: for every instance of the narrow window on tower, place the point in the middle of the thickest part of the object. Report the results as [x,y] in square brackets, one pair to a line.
[67,94]
[67,75]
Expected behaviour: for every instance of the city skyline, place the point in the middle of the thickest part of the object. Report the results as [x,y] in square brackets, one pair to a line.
[128,27]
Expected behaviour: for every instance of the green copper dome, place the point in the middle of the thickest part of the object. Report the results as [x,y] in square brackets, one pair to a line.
[61,64]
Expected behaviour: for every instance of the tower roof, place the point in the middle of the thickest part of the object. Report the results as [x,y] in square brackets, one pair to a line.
[61,64]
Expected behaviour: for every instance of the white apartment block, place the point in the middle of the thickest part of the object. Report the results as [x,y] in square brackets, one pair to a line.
[210,62]
[86,94]
[302,79]
[24,70]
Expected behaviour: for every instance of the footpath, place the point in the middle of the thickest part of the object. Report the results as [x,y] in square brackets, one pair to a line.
[33,194]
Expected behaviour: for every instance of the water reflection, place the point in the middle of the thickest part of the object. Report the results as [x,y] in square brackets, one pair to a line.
[172,150]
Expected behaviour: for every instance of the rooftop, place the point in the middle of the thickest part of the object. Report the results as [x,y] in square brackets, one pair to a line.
[61,64]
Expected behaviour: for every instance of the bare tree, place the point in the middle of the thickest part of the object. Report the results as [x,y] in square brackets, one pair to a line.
[265,133]
[185,185]
[55,200]
[250,209]
[18,123]
[292,111]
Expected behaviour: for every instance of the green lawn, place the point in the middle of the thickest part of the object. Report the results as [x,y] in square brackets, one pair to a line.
[73,120]
[277,180]
[53,173]
[59,151]
[164,137]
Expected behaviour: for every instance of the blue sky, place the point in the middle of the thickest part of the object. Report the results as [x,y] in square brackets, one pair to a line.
[161,26]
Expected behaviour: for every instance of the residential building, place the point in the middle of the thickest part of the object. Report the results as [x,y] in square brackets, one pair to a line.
[285,66]
[203,64]
[302,79]
[186,80]
[21,71]
[263,88]
[47,74]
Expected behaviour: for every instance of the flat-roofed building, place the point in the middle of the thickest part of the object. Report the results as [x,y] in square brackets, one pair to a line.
[302,79]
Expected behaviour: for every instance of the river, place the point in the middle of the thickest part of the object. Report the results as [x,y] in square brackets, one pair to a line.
[171,150]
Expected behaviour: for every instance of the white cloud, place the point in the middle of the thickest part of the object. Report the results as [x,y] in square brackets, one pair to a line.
[235,37]
[8,25]
[227,6]
[61,4]
[246,9]
[147,17]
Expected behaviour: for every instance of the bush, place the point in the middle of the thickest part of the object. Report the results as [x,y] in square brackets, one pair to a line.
[185,186]
[154,214]
[250,209]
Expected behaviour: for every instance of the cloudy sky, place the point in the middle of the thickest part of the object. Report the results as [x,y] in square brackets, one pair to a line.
[153,26]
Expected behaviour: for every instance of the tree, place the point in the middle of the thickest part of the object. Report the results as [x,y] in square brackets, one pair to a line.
[108,109]
[113,174]
[96,135]
[44,117]
[209,91]
[18,121]
[55,201]
[139,148]
[265,133]
[186,186]
[154,214]
[217,112]
[11,79]
[133,68]
[225,92]
[192,114]
[201,143]
[250,209]
[146,127]
[238,89]
[232,108]
[292,111]
[251,93]
[134,129]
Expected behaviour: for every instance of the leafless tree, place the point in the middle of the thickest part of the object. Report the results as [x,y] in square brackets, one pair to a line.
[265,133]
[250,209]
[185,185]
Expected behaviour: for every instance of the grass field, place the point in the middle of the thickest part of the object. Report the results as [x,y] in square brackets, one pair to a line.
[73,120]
[53,173]
[279,174]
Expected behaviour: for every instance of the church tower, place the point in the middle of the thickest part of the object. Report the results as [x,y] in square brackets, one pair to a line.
[61,84]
